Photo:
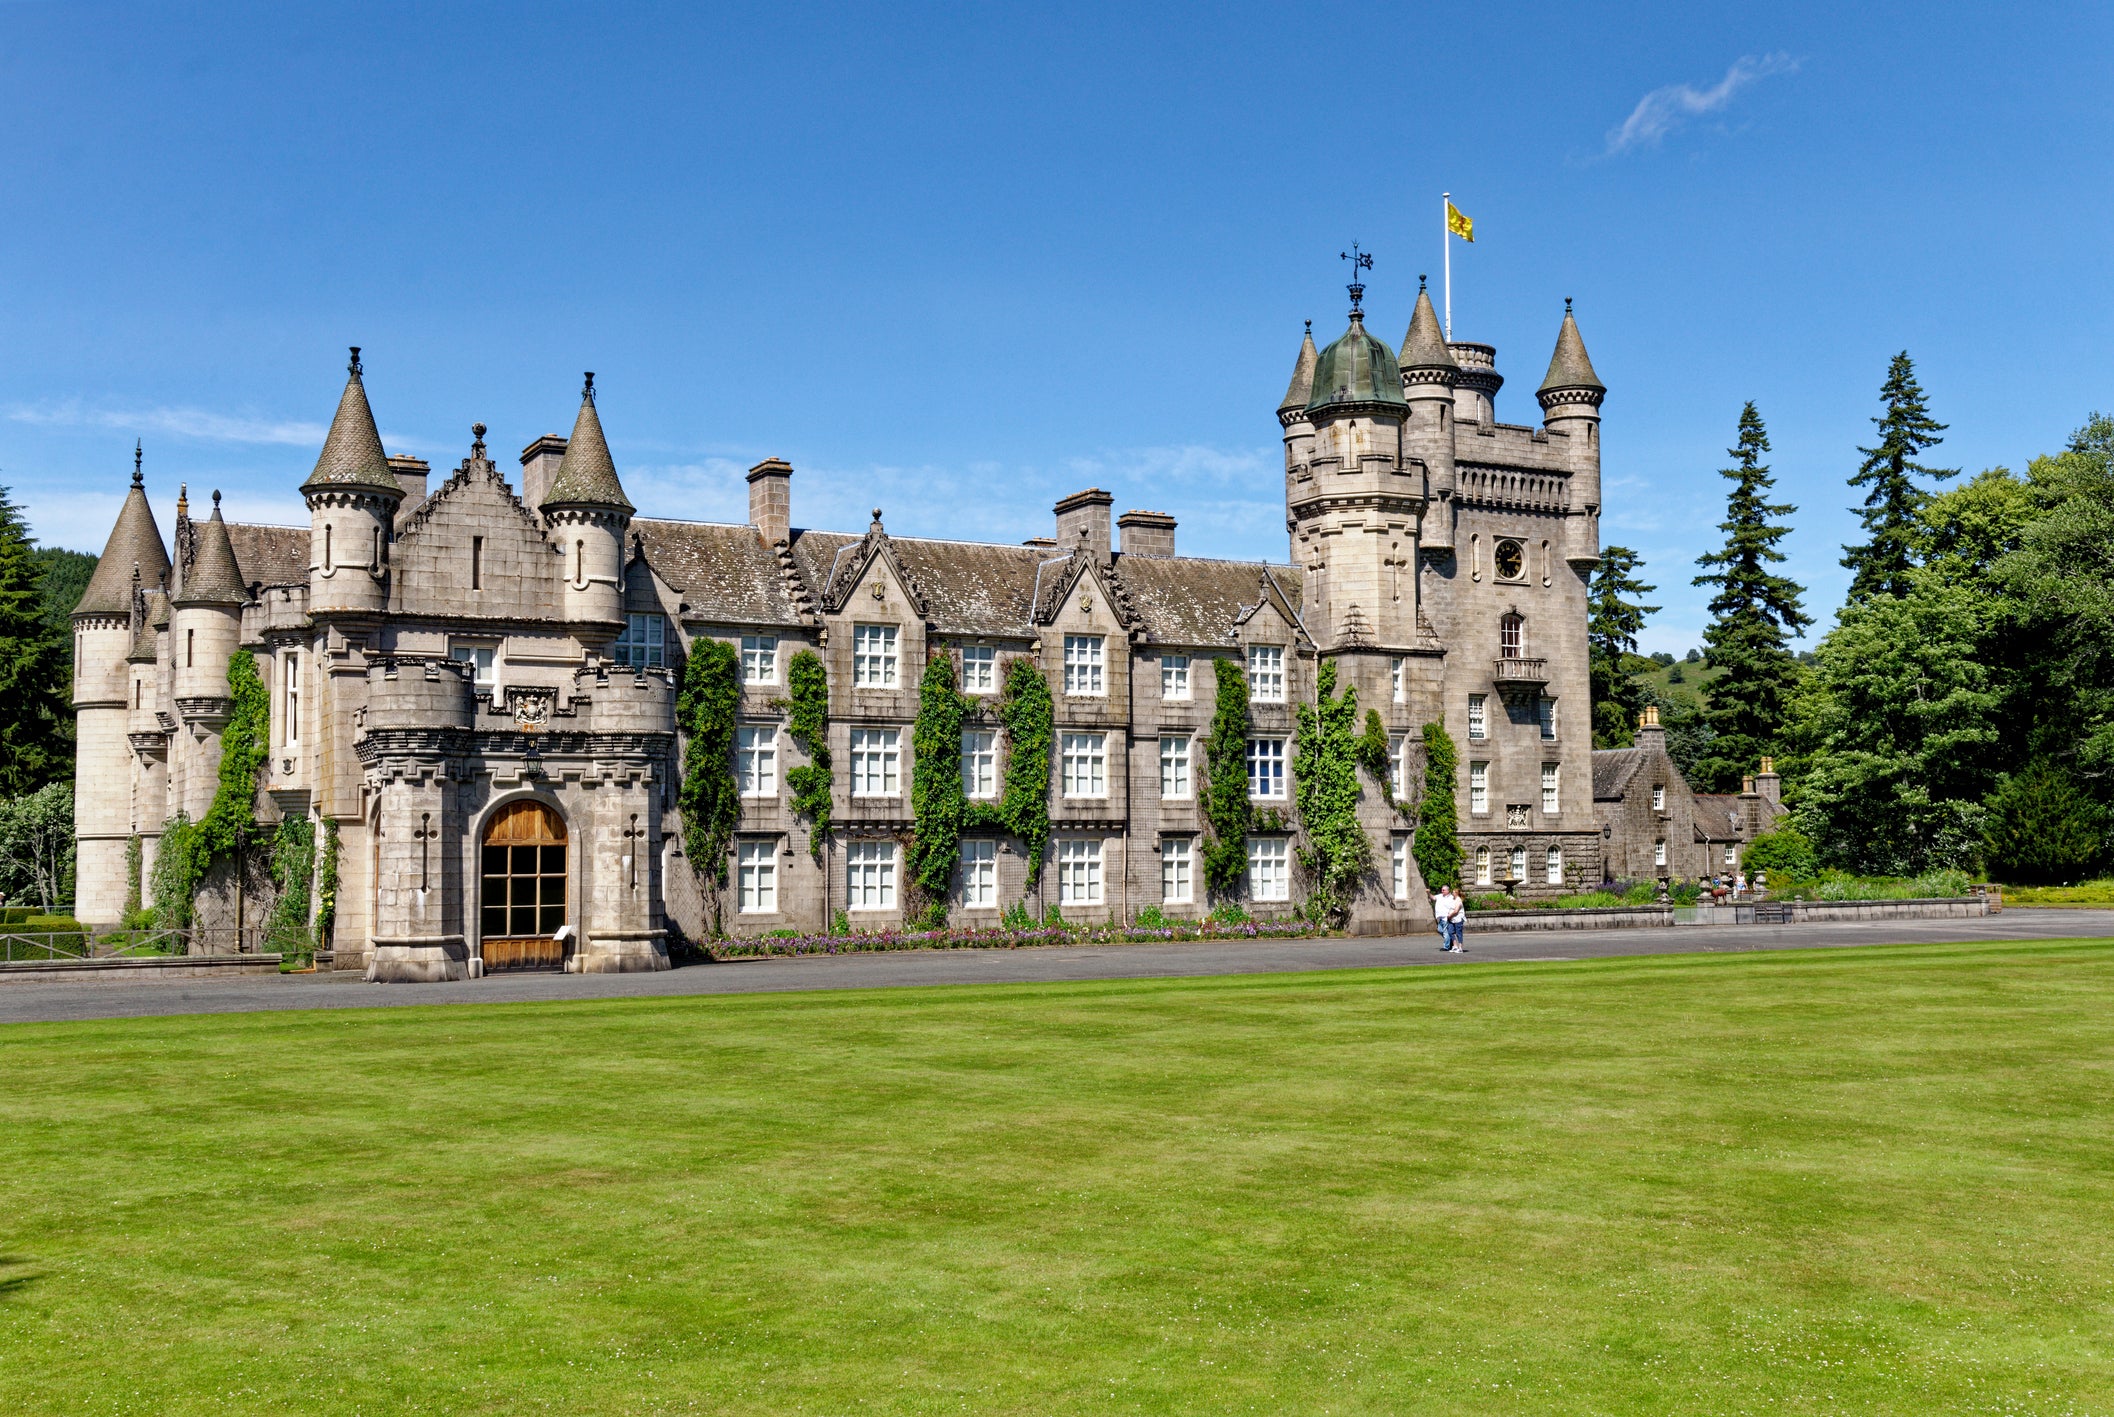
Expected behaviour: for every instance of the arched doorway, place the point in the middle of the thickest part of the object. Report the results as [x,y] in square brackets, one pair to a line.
[523,900]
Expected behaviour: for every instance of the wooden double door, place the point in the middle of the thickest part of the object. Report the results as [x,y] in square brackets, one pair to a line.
[522,903]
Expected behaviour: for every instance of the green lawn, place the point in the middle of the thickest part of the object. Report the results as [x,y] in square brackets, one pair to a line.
[1869,1181]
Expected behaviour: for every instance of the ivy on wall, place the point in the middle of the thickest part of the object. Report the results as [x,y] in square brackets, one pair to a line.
[710,797]
[807,724]
[937,803]
[1325,771]
[1438,844]
[1226,808]
[1029,717]
[189,849]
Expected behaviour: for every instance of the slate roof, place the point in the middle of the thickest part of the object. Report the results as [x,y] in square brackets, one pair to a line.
[352,453]
[1568,366]
[587,475]
[724,572]
[270,555]
[213,578]
[1424,346]
[135,540]
[1613,768]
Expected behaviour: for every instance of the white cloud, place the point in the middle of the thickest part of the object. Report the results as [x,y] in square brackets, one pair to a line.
[1663,110]
[197,423]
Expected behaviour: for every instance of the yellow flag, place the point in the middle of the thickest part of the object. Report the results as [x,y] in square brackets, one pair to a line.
[1459,225]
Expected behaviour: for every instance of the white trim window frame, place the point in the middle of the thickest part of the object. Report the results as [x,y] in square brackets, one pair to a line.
[1083,764]
[1174,677]
[1266,769]
[876,762]
[1085,663]
[1079,870]
[1176,783]
[1266,674]
[756,759]
[756,877]
[869,875]
[873,657]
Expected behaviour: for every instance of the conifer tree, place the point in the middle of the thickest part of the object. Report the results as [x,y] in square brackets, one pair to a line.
[1612,635]
[1881,565]
[36,720]
[1751,616]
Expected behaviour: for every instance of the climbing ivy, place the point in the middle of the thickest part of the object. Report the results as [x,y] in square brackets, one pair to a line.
[189,849]
[937,804]
[1226,808]
[710,798]
[807,724]
[1325,772]
[293,871]
[1438,844]
[327,882]
[1029,717]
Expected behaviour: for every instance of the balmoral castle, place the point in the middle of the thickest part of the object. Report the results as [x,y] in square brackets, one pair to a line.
[477,681]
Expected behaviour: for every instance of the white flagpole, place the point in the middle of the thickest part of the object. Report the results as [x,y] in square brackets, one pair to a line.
[1446,238]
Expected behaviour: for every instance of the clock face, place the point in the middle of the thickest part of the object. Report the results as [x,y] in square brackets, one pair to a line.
[1511,561]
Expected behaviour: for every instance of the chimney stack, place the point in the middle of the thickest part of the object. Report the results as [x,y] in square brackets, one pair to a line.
[1085,512]
[771,500]
[1147,534]
[539,468]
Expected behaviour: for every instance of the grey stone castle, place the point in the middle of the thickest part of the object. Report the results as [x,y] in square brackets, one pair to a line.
[477,681]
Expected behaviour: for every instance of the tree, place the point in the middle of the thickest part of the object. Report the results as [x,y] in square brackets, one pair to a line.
[1752,612]
[1611,634]
[2041,828]
[36,717]
[1881,565]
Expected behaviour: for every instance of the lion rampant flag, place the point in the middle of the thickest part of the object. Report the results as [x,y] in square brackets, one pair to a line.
[1459,225]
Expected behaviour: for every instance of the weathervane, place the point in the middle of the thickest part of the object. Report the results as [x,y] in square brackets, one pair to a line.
[1360,261]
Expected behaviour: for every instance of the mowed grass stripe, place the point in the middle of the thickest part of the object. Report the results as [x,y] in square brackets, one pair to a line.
[1872,1180]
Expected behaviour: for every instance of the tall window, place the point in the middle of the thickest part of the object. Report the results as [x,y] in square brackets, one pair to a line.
[873,656]
[1083,767]
[643,641]
[759,659]
[1266,767]
[870,875]
[1550,775]
[1174,676]
[1266,673]
[875,762]
[979,669]
[1482,865]
[756,879]
[1078,871]
[1399,860]
[1554,867]
[1177,870]
[1478,788]
[1082,665]
[1398,763]
[979,872]
[1269,868]
[1478,715]
[483,660]
[1658,797]
[756,759]
[1174,766]
[979,762]
[1546,711]
[293,698]
[1519,863]
[1508,636]
[1395,677]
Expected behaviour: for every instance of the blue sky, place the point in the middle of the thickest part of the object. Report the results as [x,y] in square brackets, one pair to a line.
[958,261]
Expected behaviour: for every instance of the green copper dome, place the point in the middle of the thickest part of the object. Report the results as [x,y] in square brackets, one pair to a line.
[1357,368]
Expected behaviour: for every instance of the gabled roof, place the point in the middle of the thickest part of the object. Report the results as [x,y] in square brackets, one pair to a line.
[135,540]
[213,577]
[352,455]
[587,475]
[724,573]
[270,555]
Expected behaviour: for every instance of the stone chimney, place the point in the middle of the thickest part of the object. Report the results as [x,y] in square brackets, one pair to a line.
[1147,534]
[1649,732]
[1769,784]
[539,468]
[411,474]
[771,500]
[1085,512]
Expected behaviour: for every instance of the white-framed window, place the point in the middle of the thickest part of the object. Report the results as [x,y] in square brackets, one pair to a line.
[1174,767]
[485,658]
[1266,768]
[979,669]
[1083,656]
[1394,672]
[876,761]
[1398,764]
[1083,764]
[979,874]
[1658,797]
[1269,868]
[291,675]
[1482,865]
[756,759]
[1177,870]
[1551,777]
[1174,676]
[756,877]
[1078,870]
[1519,863]
[870,875]
[1398,857]
[1554,867]
[1478,715]
[979,763]
[1546,710]
[873,656]
[759,659]
[1266,673]
[1732,854]
[642,642]
[1478,789]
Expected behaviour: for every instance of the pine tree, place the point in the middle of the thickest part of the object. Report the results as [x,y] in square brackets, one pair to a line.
[1751,614]
[36,720]
[1612,635]
[1881,565]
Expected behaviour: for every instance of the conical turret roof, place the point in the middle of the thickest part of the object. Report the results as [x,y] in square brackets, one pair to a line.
[1302,387]
[1357,368]
[213,578]
[134,541]
[587,475]
[1568,367]
[352,453]
[1424,347]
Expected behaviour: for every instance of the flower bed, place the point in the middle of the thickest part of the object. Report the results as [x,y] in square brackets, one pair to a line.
[1000,938]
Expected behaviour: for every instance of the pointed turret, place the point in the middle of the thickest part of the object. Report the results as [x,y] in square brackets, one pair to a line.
[134,541]
[352,453]
[1568,366]
[215,578]
[587,475]
[1424,346]
[1302,387]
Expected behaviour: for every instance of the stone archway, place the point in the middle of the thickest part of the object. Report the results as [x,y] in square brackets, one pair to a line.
[522,900]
